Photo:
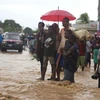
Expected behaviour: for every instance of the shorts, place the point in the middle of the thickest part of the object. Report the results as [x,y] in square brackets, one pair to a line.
[61,61]
[46,59]
[81,61]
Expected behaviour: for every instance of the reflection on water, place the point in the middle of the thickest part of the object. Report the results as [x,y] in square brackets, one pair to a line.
[18,81]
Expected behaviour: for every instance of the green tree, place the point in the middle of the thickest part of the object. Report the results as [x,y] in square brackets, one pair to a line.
[83,19]
[28,31]
[18,28]
[11,26]
[1,24]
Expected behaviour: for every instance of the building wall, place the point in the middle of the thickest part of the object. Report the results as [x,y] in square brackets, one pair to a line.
[92,26]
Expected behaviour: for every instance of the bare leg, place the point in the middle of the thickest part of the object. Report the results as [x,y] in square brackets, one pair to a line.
[43,72]
[53,70]
[58,73]
[82,68]
[95,66]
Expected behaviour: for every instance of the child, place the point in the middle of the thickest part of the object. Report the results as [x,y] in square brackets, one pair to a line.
[82,51]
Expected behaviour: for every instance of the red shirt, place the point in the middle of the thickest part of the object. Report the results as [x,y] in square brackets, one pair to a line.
[82,48]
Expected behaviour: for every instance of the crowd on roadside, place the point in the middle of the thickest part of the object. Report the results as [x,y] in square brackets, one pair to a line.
[29,41]
[63,49]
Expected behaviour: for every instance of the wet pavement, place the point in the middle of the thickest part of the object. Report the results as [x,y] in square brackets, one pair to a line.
[18,81]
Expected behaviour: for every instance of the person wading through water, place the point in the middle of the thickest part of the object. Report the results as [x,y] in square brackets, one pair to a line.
[40,44]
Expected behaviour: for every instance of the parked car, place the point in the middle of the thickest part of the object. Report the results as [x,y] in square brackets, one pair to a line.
[12,41]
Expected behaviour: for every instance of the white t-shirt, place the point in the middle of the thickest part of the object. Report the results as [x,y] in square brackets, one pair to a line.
[88,46]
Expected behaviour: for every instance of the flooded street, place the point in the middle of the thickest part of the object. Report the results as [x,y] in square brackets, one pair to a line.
[18,81]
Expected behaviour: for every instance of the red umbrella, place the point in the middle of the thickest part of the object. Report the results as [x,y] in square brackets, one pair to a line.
[57,15]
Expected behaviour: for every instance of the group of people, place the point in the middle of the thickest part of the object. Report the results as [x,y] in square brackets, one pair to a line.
[59,48]
[63,49]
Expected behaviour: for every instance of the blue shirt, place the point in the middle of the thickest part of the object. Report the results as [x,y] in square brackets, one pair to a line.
[1,38]
[71,61]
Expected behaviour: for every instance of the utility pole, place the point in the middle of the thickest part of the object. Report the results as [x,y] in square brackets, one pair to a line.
[98,26]
[98,31]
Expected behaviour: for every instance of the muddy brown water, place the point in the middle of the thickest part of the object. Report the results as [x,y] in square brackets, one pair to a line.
[18,81]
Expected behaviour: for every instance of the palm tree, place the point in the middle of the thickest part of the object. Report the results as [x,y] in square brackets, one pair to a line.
[83,19]
[1,24]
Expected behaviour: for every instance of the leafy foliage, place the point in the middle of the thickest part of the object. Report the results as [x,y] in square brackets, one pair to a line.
[83,19]
[1,24]
[28,31]
[11,26]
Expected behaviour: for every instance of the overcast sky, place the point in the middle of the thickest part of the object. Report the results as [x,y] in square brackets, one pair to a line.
[28,12]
